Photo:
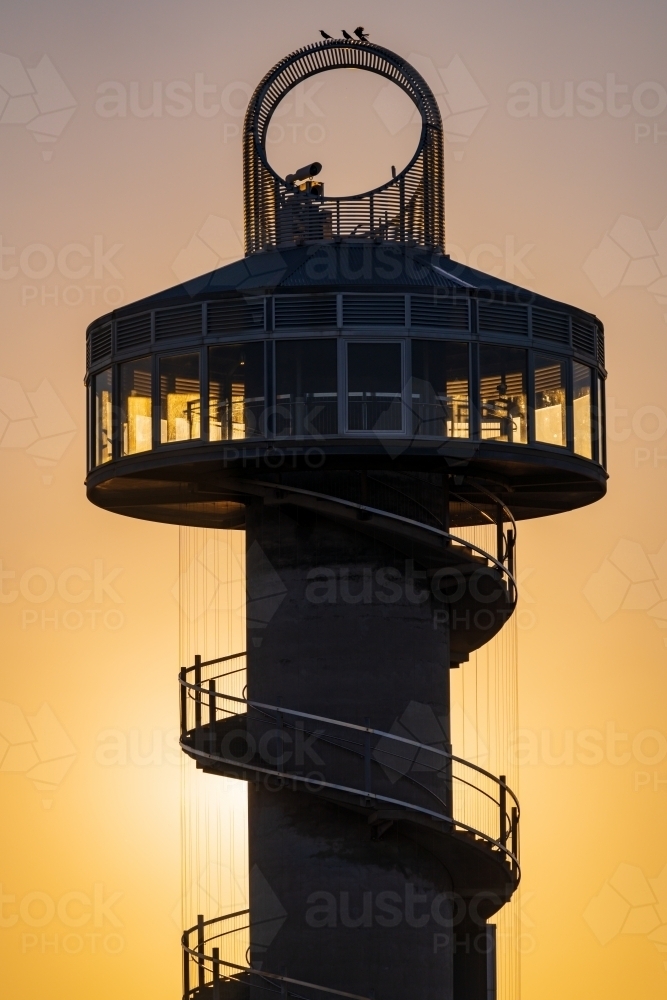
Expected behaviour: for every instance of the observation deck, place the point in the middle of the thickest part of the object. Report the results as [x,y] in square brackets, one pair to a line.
[343,356]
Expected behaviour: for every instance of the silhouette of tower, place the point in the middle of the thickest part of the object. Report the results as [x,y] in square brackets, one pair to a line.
[350,397]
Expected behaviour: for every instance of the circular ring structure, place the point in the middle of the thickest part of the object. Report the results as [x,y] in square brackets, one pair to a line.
[409,208]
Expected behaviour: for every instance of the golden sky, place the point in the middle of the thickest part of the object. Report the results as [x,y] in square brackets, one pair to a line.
[121,174]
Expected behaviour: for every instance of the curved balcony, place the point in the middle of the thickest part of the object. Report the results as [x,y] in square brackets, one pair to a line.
[216,965]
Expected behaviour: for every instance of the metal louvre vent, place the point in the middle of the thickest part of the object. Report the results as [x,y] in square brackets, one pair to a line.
[133,331]
[498,317]
[305,310]
[98,345]
[583,335]
[374,310]
[183,322]
[600,344]
[236,314]
[448,313]
[548,325]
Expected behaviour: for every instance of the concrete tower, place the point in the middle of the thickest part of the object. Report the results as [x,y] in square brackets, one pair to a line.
[349,396]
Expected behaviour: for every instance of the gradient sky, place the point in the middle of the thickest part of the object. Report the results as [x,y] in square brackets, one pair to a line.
[121,174]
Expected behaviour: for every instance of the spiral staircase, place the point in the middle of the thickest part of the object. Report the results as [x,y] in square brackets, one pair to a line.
[461,814]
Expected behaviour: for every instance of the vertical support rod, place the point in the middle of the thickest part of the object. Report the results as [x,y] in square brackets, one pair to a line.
[211,706]
[197,691]
[500,538]
[511,540]
[367,758]
[515,834]
[184,702]
[216,964]
[200,950]
[186,966]
[503,809]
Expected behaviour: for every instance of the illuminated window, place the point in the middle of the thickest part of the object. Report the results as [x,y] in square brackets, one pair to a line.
[306,387]
[103,415]
[236,391]
[136,406]
[503,395]
[550,426]
[374,384]
[440,388]
[180,400]
[582,410]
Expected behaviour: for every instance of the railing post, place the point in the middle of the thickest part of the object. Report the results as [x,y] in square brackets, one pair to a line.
[367,759]
[186,966]
[197,691]
[211,706]
[184,702]
[503,810]
[200,950]
[449,783]
[510,551]
[216,964]
[500,538]
[515,834]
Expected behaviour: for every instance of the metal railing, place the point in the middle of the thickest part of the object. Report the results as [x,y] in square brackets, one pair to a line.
[505,542]
[216,953]
[287,748]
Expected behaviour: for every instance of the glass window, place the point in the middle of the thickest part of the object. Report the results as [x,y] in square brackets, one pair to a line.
[236,391]
[582,405]
[440,388]
[103,416]
[503,397]
[550,426]
[179,397]
[374,383]
[136,406]
[306,387]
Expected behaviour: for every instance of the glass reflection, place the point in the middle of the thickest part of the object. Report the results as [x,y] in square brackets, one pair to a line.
[103,417]
[306,387]
[374,384]
[582,405]
[180,400]
[550,426]
[440,388]
[136,406]
[236,391]
[503,396]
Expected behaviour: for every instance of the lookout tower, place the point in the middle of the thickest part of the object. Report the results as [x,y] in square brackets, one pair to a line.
[349,397]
